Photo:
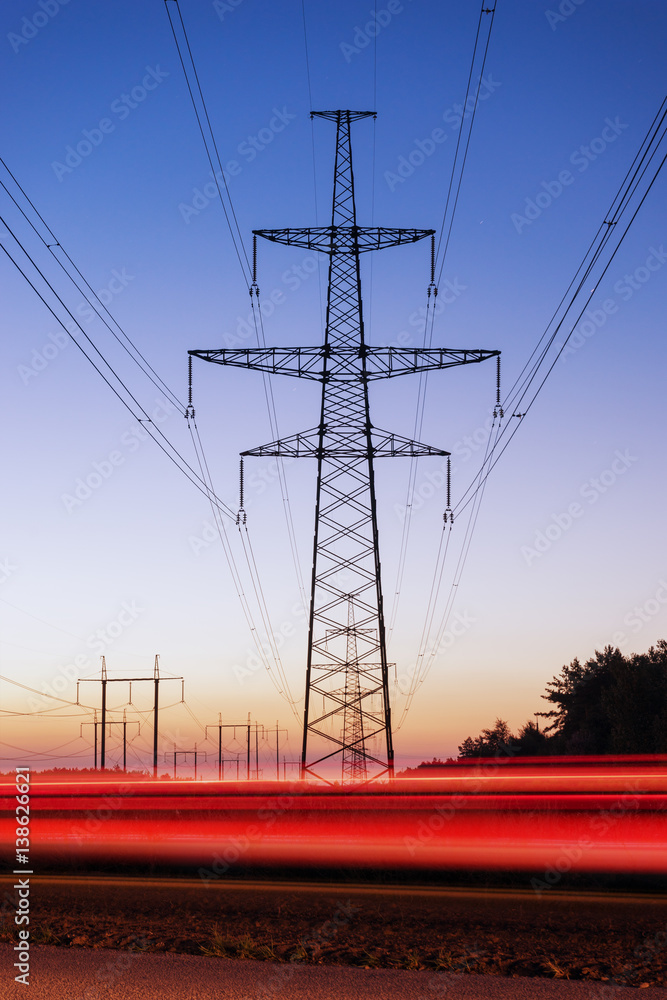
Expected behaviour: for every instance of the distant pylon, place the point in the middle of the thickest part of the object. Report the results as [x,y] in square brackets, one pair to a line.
[354,757]
[346,556]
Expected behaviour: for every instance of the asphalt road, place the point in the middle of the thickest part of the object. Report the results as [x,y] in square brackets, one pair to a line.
[280,885]
[91,974]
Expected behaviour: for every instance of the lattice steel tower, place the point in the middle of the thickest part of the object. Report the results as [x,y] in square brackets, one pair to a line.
[347,660]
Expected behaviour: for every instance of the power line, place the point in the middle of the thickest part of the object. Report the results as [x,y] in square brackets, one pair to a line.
[50,752]
[43,711]
[261,600]
[482,13]
[414,461]
[197,443]
[206,480]
[433,289]
[305,42]
[234,230]
[41,621]
[66,701]
[605,234]
[43,694]
[132,349]
[621,201]
[208,139]
[240,591]
[312,143]
[219,524]
[422,665]
[168,448]
[198,446]
[275,434]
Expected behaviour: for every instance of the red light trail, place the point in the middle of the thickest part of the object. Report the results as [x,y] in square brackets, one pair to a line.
[563,815]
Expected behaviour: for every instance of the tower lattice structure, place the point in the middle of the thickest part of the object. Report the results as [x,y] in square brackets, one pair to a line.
[347,713]
[354,757]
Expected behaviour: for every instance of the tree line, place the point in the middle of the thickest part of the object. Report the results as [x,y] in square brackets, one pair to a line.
[611,704]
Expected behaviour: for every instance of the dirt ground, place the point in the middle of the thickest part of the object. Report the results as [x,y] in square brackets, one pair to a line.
[619,939]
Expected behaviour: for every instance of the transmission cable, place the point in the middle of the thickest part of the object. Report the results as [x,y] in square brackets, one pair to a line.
[41,752]
[618,208]
[193,716]
[180,405]
[43,694]
[237,238]
[250,273]
[422,666]
[620,203]
[483,11]
[412,473]
[622,196]
[261,600]
[56,628]
[178,460]
[435,254]
[137,356]
[275,432]
[312,143]
[220,527]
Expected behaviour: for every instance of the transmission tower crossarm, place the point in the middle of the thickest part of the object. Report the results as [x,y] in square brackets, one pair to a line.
[345,364]
[345,444]
[344,239]
[387,362]
[303,362]
[349,116]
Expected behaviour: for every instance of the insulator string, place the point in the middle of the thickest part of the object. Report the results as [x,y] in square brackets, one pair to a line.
[448,515]
[189,411]
[498,410]
[241,516]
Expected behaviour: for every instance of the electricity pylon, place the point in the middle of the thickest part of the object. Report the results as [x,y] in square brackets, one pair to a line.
[347,658]
[354,757]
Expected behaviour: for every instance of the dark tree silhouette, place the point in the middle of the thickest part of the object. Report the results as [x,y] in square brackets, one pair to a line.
[635,703]
[612,703]
[580,724]
[532,741]
[494,742]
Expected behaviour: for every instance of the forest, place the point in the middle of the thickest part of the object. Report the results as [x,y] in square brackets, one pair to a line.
[611,704]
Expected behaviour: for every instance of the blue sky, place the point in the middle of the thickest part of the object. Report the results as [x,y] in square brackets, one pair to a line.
[567,88]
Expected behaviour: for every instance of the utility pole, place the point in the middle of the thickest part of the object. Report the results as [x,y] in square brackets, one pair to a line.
[185,754]
[220,725]
[156,695]
[257,728]
[346,556]
[94,724]
[124,724]
[277,731]
[104,713]
[129,680]
[285,763]
[219,746]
